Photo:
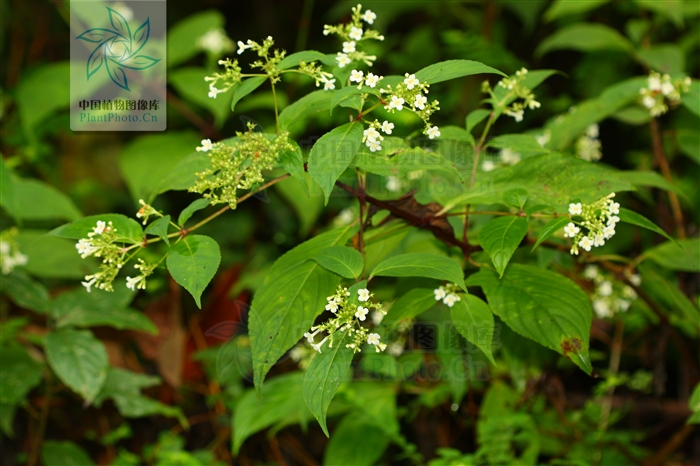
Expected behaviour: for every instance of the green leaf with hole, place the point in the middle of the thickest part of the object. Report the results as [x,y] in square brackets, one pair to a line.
[79,360]
[342,260]
[332,153]
[421,265]
[500,237]
[192,262]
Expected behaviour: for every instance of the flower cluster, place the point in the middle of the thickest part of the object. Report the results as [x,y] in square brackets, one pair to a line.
[609,296]
[146,211]
[371,80]
[448,294]
[215,42]
[588,145]
[238,166]
[371,136]
[515,90]
[598,219]
[349,313]
[10,256]
[660,88]
[506,157]
[229,78]
[352,34]
[102,242]
[139,281]
[411,93]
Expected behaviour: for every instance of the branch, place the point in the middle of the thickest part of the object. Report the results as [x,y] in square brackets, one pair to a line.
[663,164]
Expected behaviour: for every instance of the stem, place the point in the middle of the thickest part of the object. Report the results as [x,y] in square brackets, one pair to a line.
[39,437]
[274,99]
[361,234]
[613,369]
[663,164]
[477,152]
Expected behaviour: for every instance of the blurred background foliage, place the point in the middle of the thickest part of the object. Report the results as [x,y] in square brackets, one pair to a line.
[594,44]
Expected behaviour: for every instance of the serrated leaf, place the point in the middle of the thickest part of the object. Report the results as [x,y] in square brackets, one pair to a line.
[55,453]
[550,228]
[342,260]
[285,306]
[325,373]
[585,37]
[421,265]
[282,401]
[311,103]
[452,69]
[682,254]
[633,218]
[19,373]
[196,205]
[474,321]
[79,360]
[193,262]
[332,153]
[413,303]
[543,306]
[246,87]
[159,228]
[500,237]
[128,229]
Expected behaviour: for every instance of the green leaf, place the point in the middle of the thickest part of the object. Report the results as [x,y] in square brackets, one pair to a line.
[325,373]
[184,174]
[193,262]
[452,69]
[406,161]
[584,37]
[78,308]
[631,217]
[52,257]
[311,103]
[543,306]
[550,228]
[671,9]
[649,178]
[524,144]
[474,321]
[79,360]
[7,417]
[663,58]
[475,117]
[19,373]
[292,161]
[189,83]
[148,159]
[345,94]
[566,7]
[413,303]
[683,254]
[55,453]
[182,37]
[128,229]
[246,87]
[356,441]
[26,292]
[691,99]
[694,405]
[689,144]
[450,352]
[332,153]
[281,402]
[285,307]
[159,228]
[306,198]
[196,205]
[42,92]
[307,56]
[342,260]
[8,199]
[421,265]
[500,237]
[36,200]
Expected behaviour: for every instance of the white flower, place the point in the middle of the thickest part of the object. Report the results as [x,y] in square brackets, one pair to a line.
[355,33]
[132,283]
[100,228]
[601,308]
[628,292]
[395,349]
[605,288]
[451,299]
[488,165]
[543,139]
[585,243]
[342,60]
[420,101]
[667,88]
[571,230]
[612,221]
[317,347]
[592,131]
[654,83]
[345,217]
[326,29]
[4,247]
[518,115]
[372,80]
[369,16]
[371,134]
[89,284]
[332,306]
[396,102]
[509,156]
[649,101]
[575,209]
[242,47]
[363,294]
[374,146]
[206,146]
[386,126]
[356,76]
[19,258]
[635,279]
[411,81]
[215,41]
[328,84]
[85,248]
[310,336]
[377,317]
[348,47]
[614,208]
[361,313]
[393,184]
[433,132]
[373,339]
[598,240]
[533,104]
[609,231]
[590,272]
[624,305]
[439,293]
